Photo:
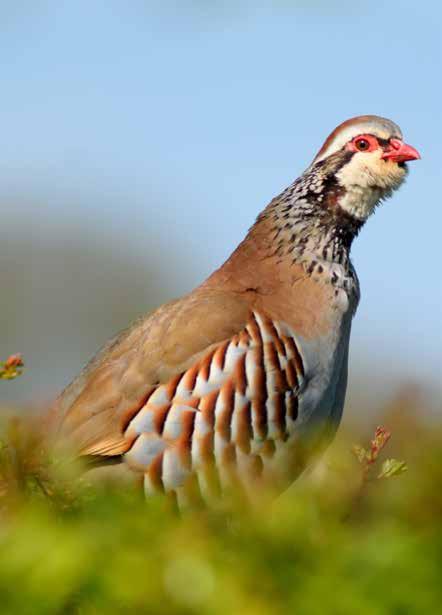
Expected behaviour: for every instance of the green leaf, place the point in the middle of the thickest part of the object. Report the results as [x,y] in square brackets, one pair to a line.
[392,467]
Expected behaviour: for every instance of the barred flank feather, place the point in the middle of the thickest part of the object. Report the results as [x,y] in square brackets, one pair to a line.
[222,419]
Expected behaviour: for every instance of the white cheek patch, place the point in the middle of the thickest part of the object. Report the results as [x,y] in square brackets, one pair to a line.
[358,170]
[367,179]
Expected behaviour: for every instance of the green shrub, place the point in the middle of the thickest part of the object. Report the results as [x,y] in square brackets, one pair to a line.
[335,543]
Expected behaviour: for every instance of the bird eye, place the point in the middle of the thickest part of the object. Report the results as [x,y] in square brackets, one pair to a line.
[362,144]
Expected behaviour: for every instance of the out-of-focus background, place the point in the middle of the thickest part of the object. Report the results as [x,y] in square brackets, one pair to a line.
[139,140]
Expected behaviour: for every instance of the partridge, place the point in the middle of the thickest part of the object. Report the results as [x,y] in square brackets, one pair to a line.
[241,383]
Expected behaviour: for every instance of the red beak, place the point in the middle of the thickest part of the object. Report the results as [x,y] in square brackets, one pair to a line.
[400,152]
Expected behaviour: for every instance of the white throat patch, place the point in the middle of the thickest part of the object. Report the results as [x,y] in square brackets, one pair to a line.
[367,179]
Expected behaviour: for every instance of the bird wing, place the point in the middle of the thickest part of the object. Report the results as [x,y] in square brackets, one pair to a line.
[94,409]
[207,378]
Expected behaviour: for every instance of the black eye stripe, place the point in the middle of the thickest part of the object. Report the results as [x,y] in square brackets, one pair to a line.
[383,142]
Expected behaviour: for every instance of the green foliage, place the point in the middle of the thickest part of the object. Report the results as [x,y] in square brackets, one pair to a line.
[368,458]
[392,467]
[336,543]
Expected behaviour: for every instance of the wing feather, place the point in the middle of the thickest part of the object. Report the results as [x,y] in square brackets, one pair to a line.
[94,410]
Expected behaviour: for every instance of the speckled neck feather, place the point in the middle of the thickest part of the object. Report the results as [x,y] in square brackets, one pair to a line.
[307,222]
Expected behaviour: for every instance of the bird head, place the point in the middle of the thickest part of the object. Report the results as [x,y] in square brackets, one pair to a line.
[366,156]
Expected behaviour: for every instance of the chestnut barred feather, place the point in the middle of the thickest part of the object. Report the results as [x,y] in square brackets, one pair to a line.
[230,410]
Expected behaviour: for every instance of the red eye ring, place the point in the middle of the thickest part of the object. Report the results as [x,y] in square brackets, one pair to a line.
[363,143]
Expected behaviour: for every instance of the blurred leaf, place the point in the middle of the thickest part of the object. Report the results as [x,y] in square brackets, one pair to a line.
[12,367]
[392,467]
[359,452]
[71,545]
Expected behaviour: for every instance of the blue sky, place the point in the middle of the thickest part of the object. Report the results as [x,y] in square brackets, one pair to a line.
[173,124]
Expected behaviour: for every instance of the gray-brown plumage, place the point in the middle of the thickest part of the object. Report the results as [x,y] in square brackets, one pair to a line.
[239,381]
